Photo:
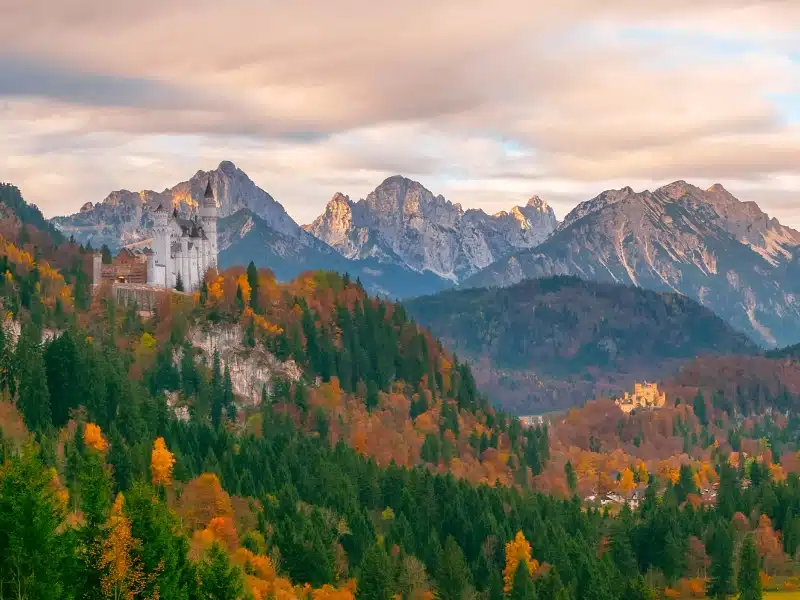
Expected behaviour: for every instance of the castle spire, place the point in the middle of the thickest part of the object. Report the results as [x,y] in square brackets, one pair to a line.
[209,192]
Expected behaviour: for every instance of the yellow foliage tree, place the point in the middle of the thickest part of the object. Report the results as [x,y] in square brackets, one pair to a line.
[123,575]
[517,550]
[626,481]
[244,285]
[93,437]
[161,463]
[644,476]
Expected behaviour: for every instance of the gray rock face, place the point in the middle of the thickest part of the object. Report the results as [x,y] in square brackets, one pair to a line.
[125,217]
[402,222]
[705,244]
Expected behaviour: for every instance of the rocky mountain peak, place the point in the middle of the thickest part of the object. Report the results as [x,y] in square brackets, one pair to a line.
[402,222]
[227,167]
[705,244]
[678,189]
[718,188]
[537,202]
[125,217]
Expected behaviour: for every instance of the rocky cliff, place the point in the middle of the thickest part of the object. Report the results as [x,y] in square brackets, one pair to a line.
[401,222]
[125,217]
[705,244]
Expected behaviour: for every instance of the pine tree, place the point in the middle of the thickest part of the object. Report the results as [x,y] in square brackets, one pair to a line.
[375,575]
[252,279]
[217,578]
[34,396]
[721,585]
[522,589]
[749,576]
[179,283]
[34,546]
[452,575]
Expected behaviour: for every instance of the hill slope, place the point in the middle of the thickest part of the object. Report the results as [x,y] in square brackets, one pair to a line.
[726,254]
[544,344]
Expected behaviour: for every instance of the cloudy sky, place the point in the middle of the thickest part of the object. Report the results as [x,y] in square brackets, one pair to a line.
[485,101]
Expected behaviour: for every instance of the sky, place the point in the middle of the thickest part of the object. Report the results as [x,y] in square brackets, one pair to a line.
[487,102]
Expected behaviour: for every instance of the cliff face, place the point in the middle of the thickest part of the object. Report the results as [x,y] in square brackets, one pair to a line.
[402,222]
[251,369]
[705,244]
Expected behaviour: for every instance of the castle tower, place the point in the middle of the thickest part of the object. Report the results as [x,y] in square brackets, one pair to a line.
[208,216]
[162,261]
[97,268]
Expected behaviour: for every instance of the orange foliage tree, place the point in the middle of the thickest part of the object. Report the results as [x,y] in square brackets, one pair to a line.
[203,499]
[93,437]
[517,550]
[161,463]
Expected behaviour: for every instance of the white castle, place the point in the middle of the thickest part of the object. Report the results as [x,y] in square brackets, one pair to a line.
[183,249]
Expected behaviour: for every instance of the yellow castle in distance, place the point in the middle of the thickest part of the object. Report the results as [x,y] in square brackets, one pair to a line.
[645,395]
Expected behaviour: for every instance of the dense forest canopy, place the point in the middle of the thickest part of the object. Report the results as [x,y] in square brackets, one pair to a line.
[369,467]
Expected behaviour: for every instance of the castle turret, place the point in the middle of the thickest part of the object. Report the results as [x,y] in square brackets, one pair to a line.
[209,215]
[97,268]
[162,262]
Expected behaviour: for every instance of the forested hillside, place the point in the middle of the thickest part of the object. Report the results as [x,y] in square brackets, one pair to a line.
[546,344]
[369,466]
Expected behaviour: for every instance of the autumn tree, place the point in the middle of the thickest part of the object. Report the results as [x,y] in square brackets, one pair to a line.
[626,482]
[161,463]
[517,550]
[123,576]
[93,437]
[203,499]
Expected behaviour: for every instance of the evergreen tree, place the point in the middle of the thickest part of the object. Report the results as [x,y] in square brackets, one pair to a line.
[749,576]
[721,585]
[523,584]
[35,547]
[452,575]
[179,283]
[572,478]
[165,549]
[34,396]
[217,578]
[252,279]
[375,575]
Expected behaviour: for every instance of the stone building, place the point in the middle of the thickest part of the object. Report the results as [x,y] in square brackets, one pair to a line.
[645,395]
[129,266]
[180,253]
[184,249]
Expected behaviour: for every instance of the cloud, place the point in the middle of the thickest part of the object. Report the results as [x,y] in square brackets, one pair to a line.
[310,97]
[26,77]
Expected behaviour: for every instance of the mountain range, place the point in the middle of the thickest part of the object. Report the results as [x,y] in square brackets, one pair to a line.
[706,244]
[402,222]
[402,241]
